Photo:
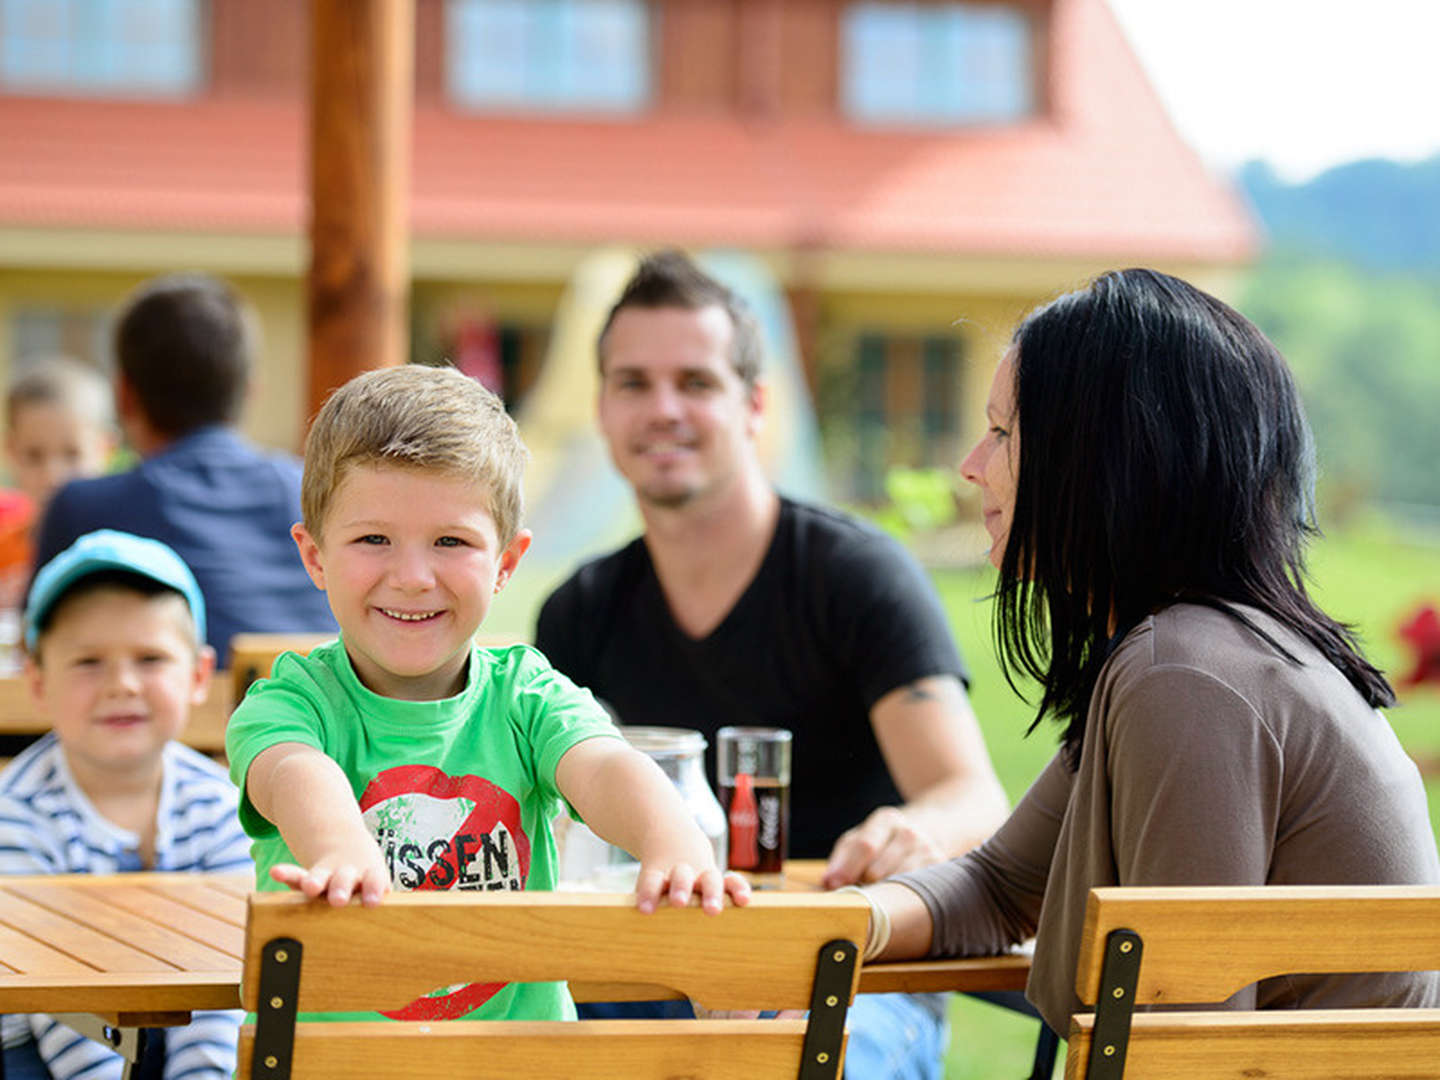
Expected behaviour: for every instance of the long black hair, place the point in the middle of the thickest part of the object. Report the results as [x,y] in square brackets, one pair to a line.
[1164,458]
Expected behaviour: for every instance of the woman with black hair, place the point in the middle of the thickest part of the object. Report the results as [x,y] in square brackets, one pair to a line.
[1146,479]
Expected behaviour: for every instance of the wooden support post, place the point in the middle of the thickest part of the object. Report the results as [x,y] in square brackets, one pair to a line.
[361,92]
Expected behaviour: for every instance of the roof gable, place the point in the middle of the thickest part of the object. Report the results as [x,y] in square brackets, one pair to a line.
[1101,173]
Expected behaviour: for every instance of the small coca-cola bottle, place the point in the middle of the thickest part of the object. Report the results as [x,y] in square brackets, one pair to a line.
[744,825]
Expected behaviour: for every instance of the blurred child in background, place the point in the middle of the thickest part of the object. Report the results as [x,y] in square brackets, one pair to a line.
[115,629]
[59,425]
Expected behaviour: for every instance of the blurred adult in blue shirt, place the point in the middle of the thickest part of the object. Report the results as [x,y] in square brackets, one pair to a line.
[184,348]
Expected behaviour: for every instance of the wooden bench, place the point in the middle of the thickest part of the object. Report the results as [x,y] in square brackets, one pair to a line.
[253,655]
[1199,946]
[783,951]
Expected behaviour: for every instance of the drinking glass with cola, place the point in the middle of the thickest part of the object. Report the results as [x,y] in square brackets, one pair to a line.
[753,766]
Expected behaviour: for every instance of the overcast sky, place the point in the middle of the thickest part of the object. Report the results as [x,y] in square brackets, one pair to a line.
[1303,84]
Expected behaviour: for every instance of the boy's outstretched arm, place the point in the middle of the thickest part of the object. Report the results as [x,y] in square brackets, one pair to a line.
[308,798]
[625,798]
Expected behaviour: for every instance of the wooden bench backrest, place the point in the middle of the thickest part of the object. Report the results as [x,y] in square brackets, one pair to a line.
[1200,945]
[764,956]
[253,655]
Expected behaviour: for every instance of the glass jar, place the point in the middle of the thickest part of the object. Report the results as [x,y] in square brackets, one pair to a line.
[586,861]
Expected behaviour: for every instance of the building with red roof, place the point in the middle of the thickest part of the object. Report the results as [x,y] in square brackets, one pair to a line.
[916,175]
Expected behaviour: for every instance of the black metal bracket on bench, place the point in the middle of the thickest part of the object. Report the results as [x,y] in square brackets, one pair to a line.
[829,1003]
[1115,1005]
[274,1050]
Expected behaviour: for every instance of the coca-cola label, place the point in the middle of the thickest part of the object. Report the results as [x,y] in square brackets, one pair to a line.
[771,828]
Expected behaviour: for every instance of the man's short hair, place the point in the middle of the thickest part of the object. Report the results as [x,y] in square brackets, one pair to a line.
[415,417]
[184,344]
[71,384]
[670,279]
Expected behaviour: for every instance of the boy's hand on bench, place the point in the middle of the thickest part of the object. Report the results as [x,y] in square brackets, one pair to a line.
[679,881]
[337,879]
[308,798]
[625,798]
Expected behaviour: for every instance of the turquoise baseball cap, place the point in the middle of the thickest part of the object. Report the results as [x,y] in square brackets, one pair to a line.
[108,550]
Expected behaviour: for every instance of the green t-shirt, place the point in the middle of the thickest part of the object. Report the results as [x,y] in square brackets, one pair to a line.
[458,793]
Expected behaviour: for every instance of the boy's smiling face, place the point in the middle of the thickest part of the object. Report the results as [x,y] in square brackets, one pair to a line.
[410,560]
[117,673]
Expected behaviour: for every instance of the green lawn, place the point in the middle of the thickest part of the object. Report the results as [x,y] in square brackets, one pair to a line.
[1370,575]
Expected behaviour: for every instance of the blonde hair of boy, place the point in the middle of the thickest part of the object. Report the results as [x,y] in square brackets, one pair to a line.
[62,380]
[428,418]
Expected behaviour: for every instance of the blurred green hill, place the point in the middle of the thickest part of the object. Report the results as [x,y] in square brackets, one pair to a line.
[1381,216]
[1349,290]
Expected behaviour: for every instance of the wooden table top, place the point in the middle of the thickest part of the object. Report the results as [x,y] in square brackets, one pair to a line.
[137,950]
[146,950]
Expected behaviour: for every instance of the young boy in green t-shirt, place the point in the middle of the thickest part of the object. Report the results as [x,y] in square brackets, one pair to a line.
[404,755]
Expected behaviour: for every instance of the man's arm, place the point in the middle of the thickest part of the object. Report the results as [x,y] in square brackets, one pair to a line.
[933,748]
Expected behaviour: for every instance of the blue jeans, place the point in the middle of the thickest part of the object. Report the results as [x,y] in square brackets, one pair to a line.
[895,1037]
[892,1036]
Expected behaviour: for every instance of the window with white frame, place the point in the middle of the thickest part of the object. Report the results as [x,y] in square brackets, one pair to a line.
[148,48]
[936,63]
[580,55]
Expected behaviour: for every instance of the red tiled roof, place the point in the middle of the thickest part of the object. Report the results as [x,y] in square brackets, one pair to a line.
[1102,174]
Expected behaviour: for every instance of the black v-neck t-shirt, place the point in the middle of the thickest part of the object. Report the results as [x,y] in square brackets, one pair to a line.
[837,616]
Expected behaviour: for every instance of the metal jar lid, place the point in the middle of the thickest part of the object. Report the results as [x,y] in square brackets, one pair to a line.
[665,742]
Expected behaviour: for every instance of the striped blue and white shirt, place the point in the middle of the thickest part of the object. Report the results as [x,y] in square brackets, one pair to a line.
[48,826]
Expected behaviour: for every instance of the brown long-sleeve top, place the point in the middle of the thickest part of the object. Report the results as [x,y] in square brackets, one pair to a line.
[1208,759]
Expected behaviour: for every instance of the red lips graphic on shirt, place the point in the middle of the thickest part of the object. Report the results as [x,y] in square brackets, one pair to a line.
[446,832]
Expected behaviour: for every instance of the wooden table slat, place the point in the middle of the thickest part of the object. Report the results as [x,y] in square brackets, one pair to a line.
[220,939]
[82,942]
[169,941]
[211,892]
[24,954]
[962,974]
[110,994]
[161,878]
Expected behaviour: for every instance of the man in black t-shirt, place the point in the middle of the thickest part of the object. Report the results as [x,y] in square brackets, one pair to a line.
[739,607]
